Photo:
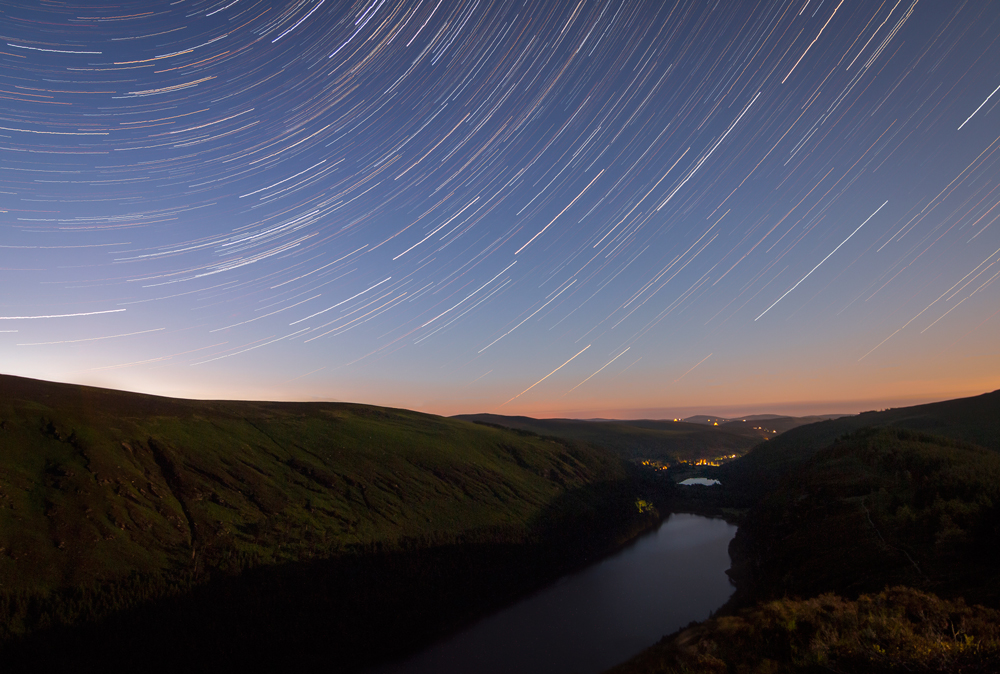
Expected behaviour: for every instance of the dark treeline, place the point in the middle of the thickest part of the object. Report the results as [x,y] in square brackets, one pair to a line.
[881,506]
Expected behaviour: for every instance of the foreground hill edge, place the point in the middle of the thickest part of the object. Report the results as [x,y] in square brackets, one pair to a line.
[869,543]
[130,524]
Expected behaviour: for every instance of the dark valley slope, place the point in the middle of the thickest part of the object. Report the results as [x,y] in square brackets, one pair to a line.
[866,545]
[235,532]
[974,420]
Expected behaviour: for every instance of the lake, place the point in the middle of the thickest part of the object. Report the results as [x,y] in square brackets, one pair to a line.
[703,481]
[600,616]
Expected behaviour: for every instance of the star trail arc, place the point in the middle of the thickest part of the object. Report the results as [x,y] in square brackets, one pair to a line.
[381,200]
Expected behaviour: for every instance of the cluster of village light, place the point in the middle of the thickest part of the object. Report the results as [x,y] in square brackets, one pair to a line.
[717,461]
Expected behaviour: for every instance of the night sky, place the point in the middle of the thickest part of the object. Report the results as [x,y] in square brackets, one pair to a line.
[580,208]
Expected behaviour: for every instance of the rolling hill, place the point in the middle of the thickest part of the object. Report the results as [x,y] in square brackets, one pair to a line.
[770,425]
[666,441]
[121,513]
[974,420]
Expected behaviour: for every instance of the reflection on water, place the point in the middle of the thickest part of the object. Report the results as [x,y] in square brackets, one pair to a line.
[600,616]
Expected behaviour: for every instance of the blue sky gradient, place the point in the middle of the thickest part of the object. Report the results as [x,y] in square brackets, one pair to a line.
[574,208]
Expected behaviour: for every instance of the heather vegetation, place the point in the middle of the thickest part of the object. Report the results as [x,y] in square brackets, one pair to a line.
[897,630]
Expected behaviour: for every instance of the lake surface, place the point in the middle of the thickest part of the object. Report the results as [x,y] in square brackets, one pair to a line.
[703,481]
[598,617]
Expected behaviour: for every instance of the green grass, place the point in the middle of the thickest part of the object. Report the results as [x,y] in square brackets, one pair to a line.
[109,500]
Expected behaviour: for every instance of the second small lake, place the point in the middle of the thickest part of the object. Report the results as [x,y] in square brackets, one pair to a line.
[600,616]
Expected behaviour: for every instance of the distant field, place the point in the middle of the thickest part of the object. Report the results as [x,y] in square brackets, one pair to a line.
[666,441]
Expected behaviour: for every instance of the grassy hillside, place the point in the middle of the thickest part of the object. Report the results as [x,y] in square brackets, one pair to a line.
[838,512]
[974,420]
[111,500]
[666,441]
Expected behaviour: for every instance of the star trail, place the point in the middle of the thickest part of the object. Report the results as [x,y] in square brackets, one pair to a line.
[463,205]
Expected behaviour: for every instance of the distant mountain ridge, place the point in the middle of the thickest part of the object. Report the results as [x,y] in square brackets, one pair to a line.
[667,441]
[690,439]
